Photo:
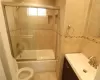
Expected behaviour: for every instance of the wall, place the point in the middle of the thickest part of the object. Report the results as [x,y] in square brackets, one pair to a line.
[61,4]
[40,27]
[2,73]
[6,45]
[41,31]
[7,50]
[4,60]
[31,32]
[91,49]
[97,77]
[12,26]
[92,29]
[75,15]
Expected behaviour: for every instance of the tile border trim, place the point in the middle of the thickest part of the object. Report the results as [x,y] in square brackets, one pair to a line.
[85,37]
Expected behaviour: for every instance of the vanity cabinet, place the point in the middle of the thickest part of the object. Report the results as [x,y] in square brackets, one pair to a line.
[68,73]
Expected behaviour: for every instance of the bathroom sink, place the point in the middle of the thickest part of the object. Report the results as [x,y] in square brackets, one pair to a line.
[81,67]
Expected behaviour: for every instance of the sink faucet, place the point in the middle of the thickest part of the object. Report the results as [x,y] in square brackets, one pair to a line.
[93,62]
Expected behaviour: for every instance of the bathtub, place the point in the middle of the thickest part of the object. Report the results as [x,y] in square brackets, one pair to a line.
[36,55]
[39,66]
[38,60]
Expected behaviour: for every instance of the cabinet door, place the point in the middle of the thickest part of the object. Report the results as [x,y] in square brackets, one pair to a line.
[72,74]
[68,73]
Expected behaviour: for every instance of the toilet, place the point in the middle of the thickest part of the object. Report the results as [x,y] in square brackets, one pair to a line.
[25,73]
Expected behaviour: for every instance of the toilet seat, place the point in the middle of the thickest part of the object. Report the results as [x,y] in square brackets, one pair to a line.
[25,69]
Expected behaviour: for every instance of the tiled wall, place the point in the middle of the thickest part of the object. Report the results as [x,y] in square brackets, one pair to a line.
[93,24]
[37,40]
[74,16]
[41,28]
[32,32]
[90,48]
[92,30]
[11,23]
[77,14]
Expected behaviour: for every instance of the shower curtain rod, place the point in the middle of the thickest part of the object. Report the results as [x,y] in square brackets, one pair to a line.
[16,4]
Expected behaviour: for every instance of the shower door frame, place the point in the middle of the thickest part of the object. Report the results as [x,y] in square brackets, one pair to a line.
[16,4]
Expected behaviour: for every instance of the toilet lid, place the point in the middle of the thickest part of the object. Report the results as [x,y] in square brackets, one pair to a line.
[25,73]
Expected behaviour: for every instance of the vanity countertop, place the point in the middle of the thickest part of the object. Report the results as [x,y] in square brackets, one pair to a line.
[78,63]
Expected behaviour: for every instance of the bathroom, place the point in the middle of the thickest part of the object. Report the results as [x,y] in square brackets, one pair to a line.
[38,38]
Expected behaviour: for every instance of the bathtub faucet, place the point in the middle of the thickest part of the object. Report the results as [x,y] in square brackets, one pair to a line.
[19,47]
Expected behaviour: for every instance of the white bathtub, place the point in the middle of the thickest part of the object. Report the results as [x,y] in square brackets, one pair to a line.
[39,60]
[39,66]
[36,55]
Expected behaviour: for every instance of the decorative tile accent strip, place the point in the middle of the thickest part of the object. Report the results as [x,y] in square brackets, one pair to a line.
[84,37]
[81,37]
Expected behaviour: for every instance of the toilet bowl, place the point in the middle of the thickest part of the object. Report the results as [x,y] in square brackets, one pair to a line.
[24,73]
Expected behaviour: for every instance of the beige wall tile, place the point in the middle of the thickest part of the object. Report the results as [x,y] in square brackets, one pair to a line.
[42,31]
[92,30]
[74,13]
[91,49]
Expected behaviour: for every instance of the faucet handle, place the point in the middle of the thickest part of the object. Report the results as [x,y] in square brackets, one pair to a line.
[91,57]
[93,62]
[95,65]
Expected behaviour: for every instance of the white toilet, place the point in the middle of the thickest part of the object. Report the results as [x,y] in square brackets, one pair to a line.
[25,73]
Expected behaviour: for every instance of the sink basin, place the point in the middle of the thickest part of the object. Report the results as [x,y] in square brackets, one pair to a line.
[81,67]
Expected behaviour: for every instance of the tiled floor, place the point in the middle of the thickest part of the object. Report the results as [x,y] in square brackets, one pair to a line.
[45,76]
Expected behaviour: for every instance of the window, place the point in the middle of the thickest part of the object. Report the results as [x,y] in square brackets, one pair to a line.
[32,11]
[41,12]
[36,12]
